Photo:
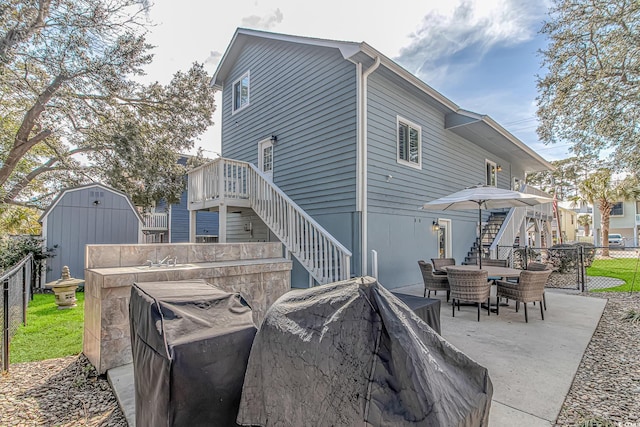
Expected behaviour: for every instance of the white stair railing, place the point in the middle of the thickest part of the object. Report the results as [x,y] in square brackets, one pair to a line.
[326,259]
[511,226]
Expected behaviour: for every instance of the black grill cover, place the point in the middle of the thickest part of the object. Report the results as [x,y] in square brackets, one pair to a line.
[352,354]
[190,344]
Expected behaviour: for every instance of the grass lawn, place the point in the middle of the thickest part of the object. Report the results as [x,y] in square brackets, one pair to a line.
[620,268]
[50,333]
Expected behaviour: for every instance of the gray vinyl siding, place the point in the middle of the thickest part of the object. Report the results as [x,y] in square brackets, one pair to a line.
[76,221]
[398,230]
[306,96]
[206,222]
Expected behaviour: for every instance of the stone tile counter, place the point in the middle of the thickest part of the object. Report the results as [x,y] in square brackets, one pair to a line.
[256,270]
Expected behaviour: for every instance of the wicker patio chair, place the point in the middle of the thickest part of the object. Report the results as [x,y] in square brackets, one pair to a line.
[539,266]
[438,263]
[530,288]
[433,282]
[471,286]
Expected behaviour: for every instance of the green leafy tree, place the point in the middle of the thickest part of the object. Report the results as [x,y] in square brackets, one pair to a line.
[591,92]
[585,222]
[73,110]
[565,178]
[601,191]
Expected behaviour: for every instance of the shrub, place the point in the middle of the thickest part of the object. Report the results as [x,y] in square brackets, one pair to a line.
[589,251]
[564,257]
[14,248]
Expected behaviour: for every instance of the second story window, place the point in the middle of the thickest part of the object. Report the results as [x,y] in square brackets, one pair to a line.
[492,173]
[409,137]
[241,92]
[617,209]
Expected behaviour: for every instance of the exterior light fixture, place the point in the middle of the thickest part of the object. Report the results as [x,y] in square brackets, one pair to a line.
[274,139]
[499,168]
[435,226]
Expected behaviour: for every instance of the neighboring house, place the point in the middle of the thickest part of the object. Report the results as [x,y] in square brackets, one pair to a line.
[345,146]
[624,220]
[170,223]
[568,226]
[87,214]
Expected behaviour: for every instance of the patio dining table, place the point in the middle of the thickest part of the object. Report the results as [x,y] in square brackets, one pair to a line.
[492,271]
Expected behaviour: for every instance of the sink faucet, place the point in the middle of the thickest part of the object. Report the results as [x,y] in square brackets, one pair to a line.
[166,262]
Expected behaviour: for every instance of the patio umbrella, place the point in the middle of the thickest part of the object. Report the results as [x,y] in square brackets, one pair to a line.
[484,196]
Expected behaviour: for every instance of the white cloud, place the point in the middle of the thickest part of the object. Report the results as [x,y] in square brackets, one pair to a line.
[212,60]
[266,22]
[461,36]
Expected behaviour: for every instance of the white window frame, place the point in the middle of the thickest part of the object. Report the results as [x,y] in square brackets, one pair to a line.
[488,163]
[235,108]
[410,124]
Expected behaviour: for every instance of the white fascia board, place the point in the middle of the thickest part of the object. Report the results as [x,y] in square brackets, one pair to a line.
[347,49]
[515,141]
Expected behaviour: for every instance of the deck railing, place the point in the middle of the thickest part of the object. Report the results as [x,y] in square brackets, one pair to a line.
[155,221]
[511,226]
[326,259]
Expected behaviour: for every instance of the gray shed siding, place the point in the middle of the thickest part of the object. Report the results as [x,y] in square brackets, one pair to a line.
[398,230]
[76,221]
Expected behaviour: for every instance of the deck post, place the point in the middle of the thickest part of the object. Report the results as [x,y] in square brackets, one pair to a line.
[192,226]
[222,223]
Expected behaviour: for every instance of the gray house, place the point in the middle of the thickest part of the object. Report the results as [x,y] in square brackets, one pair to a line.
[88,214]
[335,147]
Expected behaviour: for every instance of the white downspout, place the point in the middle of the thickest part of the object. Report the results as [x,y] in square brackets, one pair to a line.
[362,161]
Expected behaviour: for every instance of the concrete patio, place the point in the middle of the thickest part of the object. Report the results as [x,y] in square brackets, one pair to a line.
[531,365]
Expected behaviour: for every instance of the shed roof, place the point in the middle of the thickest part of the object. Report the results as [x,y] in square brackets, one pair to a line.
[478,128]
[82,187]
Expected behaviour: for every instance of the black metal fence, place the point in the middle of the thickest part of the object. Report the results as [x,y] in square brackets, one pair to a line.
[582,267]
[17,284]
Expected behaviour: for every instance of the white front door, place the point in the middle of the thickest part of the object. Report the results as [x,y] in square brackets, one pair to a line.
[265,157]
[444,238]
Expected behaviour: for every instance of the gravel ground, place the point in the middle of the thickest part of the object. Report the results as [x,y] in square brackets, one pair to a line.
[68,392]
[607,385]
[57,392]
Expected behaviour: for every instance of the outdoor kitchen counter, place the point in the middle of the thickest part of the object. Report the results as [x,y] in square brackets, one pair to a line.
[107,339]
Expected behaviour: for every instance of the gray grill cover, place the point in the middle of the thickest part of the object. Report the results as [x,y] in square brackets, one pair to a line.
[190,344]
[350,353]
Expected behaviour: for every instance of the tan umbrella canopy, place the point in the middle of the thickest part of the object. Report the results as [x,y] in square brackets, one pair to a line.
[487,197]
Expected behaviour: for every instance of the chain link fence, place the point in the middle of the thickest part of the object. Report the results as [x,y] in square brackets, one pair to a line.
[17,283]
[582,267]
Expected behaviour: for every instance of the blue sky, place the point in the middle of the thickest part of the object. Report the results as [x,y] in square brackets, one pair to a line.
[480,54]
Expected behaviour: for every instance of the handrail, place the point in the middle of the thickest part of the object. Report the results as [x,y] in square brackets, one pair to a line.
[326,259]
[509,229]
[155,220]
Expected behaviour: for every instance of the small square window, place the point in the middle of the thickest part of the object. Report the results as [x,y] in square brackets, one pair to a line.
[241,92]
[409,143]
[617,209]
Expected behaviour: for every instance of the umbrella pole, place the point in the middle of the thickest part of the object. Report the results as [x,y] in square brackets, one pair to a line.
[480,236]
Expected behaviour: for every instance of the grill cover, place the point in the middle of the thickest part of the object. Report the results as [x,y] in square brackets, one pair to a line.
[190,344]
[350,353]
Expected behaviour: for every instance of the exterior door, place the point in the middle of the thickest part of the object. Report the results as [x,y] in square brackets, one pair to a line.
[444,238]
[265,158]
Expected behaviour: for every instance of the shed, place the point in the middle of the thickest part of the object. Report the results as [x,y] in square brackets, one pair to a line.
[87,214]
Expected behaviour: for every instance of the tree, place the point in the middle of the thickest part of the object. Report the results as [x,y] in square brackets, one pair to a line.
[585,221]
[565,178]
[591,92]
[72,109]
[601,191]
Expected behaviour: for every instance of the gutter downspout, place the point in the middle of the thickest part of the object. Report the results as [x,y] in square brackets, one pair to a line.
[362,164]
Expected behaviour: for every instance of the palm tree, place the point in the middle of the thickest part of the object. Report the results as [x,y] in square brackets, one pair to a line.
[585,221]
[598,189]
